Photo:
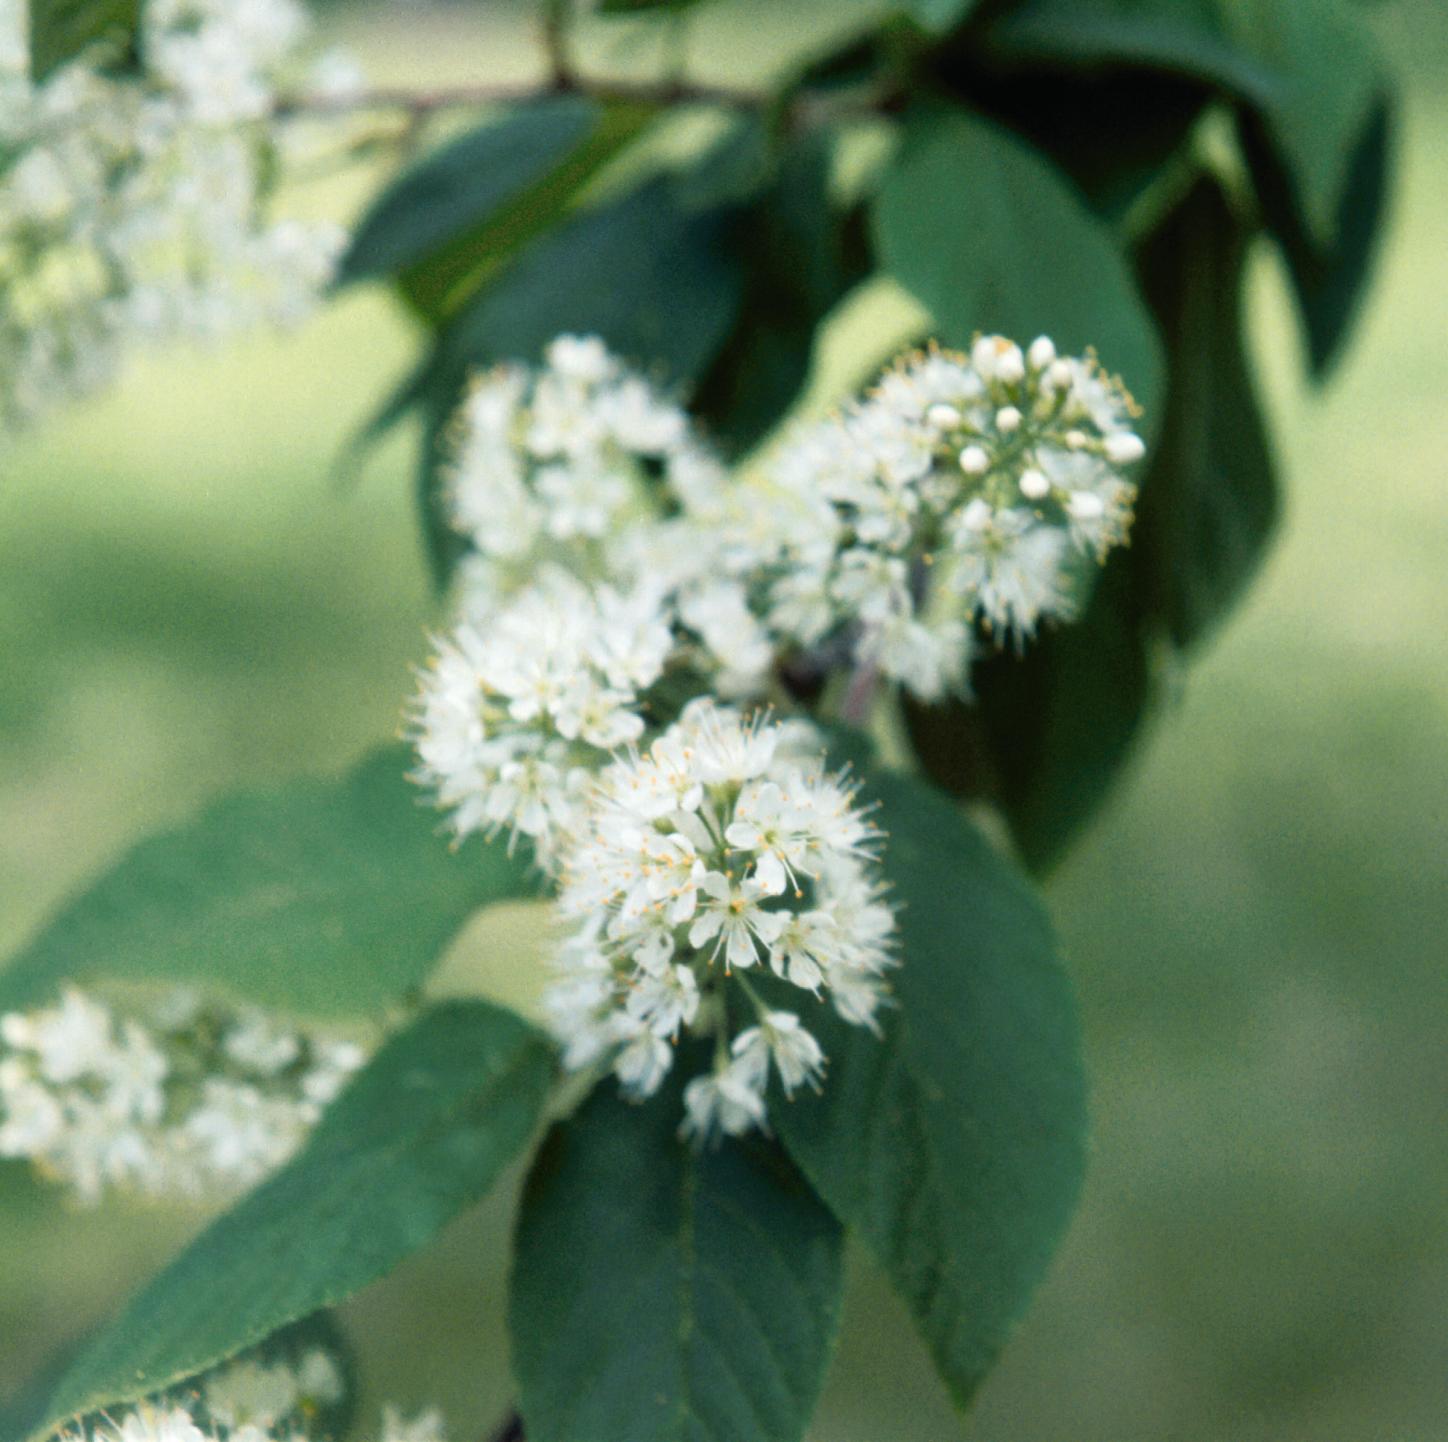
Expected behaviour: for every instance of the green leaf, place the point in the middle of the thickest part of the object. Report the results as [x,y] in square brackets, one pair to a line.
[661,1294]
[439,284]
[954,1144]
[938,16]
[1186,37]
[422,1133]
[1307,68]
[1329,281]
[1060,722]
[1330,83]
[989,236]
[319,897]
[660,283]
[463,183]
[805,254]
[1209,501]
[61,29]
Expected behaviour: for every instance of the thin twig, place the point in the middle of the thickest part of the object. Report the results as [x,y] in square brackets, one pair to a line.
[469,97]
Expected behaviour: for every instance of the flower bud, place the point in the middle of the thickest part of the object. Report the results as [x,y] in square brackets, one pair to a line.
[1041,353]
[1124,448]
[1086,506]
[1034,485]
[942,417]
[974,460]
[1008,419]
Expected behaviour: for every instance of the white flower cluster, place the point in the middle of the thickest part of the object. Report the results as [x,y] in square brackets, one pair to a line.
[724,852]
[596,517]
[192,1100]
[256,1395]
[962,488]
[623,594]
[250,1401]
[131,205]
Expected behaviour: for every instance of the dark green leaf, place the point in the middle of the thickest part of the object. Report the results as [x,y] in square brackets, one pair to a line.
[61,29]
[804,254]
[644,7]
[439,284]
[1307,68]
[465,182]
[664,1295]
[1209,500]
[659,283]
[989,236]
[955,1143]
[938,16]
[1329,281]
[320,897]
[1060,721]
[422,1133]
[1188,37]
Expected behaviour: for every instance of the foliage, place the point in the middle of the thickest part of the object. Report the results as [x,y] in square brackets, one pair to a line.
[661,1291]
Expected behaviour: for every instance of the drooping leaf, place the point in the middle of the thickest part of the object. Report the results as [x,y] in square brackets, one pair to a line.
[1329,281]
[1188,37]
[1307,69]
[658,282]
[61,29]
[804,254]
[1209,499]
[463,183]
[421,1133]
[1061,721]
[662,1294]
[438,285]
[318,897]
[953,1143]
[989,236]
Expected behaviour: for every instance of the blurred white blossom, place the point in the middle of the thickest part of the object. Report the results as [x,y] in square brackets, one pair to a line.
[133,205]
[185,1100]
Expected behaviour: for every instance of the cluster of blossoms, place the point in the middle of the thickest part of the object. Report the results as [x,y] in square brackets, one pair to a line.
[132,204]
[626,606]
[188,1099]
[961,489]
[597,521]
[723,853]
[252,1399]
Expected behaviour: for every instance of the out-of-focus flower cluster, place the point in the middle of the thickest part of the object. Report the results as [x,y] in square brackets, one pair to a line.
[133,198]
[254,1398]
[626,604]
[186,1099]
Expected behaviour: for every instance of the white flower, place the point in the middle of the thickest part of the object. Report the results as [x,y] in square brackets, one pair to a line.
[191,1100]
[965,488]
[721,852]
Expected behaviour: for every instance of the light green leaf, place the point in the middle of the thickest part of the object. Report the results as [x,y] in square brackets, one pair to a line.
[954,1143]
[990,237]
[61,29]
[326,898]
[422,1133]
[664,1295]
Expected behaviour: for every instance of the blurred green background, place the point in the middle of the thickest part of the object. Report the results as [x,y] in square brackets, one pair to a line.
[189,602]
